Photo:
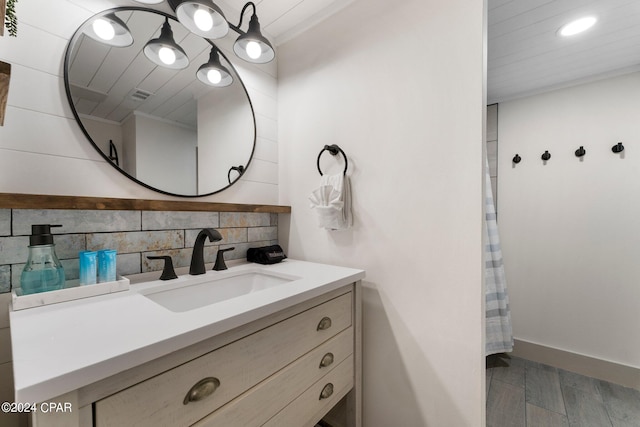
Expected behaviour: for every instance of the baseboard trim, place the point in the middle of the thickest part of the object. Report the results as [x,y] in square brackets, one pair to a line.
[627,376]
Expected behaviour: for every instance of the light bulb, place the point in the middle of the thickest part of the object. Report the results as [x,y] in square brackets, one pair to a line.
[104,29]
[254,51]
[203,19]
[167,56]
[578,26]
[214,76]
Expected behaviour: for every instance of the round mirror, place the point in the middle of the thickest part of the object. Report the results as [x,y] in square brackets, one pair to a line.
[178,129]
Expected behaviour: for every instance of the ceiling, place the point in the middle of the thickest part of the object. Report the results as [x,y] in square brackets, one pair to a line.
[526,56]
[283,19]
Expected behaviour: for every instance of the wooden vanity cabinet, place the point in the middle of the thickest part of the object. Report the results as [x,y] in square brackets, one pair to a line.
[288,369]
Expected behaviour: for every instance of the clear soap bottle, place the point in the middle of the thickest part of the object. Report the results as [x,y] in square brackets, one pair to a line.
[43,271]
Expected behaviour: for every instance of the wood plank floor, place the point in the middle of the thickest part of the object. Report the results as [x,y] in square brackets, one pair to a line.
[530,394]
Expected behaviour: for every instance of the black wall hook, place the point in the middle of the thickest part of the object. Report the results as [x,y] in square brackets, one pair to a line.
[516,159]
[618,148]
[581,151]
[546,156]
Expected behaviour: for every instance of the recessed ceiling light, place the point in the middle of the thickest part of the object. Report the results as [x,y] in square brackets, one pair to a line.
[577,26]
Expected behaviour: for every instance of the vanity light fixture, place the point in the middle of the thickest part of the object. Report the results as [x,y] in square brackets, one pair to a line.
[164,51]
[110,30]
[578,26]
[201,17]
[206,19]
[213,73]
[252,46]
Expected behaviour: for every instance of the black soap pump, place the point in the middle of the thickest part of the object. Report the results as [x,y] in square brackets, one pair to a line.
[43,271]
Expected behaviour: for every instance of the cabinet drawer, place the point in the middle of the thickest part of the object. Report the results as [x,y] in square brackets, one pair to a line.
[263,401]
[159,401]
[317,400]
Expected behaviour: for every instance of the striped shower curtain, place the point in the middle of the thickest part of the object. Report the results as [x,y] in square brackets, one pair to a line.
[498,316]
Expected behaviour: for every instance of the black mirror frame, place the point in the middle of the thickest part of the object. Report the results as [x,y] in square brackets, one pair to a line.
[67,58]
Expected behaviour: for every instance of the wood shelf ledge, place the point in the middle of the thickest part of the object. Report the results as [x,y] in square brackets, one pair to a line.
[43,201]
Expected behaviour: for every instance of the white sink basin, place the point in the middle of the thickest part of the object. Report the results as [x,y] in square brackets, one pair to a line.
[202,290]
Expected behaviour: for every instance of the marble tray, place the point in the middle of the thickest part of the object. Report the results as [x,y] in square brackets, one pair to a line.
[73,291]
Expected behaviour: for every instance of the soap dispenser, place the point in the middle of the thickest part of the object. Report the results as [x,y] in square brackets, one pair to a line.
[43,271]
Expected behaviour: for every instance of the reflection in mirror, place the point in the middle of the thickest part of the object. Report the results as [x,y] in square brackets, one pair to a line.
[168,130]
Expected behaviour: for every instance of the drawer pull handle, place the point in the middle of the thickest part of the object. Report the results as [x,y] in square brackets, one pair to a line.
[202,389]
[326,360]
[324,324]
[326,391]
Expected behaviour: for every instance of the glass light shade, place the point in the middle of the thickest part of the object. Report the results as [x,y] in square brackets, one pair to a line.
[110,30]
[213,73]
[164,51]
[253,46]
[149,1]
[202,17]
[577,26]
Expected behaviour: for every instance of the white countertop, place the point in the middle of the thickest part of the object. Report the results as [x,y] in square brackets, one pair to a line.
[62,347]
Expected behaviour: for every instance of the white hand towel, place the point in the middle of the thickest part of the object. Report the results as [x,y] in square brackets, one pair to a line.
[332,202]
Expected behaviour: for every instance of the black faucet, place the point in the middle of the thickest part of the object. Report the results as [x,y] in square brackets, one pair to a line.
[197,257]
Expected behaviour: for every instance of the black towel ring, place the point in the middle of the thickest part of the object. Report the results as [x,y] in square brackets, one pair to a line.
[334,150]
[113,153]
[240,170]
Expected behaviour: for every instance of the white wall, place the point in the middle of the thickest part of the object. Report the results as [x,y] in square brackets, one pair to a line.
[570,229]
[166,155]
[225,135]
[128,160]
[104,131]
[40,130]
[399,86]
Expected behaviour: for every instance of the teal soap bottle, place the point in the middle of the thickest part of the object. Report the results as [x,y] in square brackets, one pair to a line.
[43,271]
